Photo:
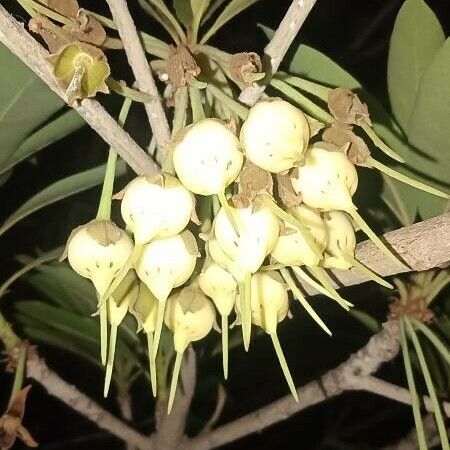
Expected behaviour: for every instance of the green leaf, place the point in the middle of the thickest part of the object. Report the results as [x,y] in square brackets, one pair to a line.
[415,403]
[416,37]
[183,11]
[26,102]
[59,190]
[232,9]
[64,287]
[51,132]
[80,329]
[159,11]
[59,339]
[198,8]
[429,129]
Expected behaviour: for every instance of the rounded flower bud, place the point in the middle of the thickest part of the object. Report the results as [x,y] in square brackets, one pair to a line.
[275,135]
[190,316]
[207,157]
[167,263]
[156,208]
[98,250]
[292,249]
[219,285]
[341,241]
[327,180]
[258,234]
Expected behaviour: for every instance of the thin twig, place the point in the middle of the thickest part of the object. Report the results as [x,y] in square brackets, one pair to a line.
[142,72]
[392,391]
[279,45]
[23,45]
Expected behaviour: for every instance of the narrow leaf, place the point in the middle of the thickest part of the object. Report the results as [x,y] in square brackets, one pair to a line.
[63,125]
[412,388]
[430,386]
[59,190]
[231,10]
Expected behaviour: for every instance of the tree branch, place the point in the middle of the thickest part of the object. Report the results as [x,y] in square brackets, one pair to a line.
[381,348]
[141,70]
[279,45]
[23,45]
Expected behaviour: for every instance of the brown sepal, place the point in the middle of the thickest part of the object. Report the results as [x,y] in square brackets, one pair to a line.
[253,180]
[285,190]
[54,36]
[246,67]
[241,201]
[314,126]
[346,107]
[86,28]
[67,8]
[181,66]
[340,135]
[415,308]
[11,426]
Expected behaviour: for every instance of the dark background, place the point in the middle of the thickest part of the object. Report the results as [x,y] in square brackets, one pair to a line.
[355,34]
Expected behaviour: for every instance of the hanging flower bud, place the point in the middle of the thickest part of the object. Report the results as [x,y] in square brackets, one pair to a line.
[275,135]
[292,249]
[97,251]
[207,157]
[156,208]
[258,234]
[269,306]
[190,316]
[165,264]
[327,180]
[341,241]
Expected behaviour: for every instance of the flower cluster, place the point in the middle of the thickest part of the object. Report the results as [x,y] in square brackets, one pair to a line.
[276,208]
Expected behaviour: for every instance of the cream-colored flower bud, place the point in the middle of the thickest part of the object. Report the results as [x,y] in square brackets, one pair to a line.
[327,180]
[190,316]
[218,284]
[97,251]
[275,135]
[258,234]
[207,157]
[156,208]
[292,248]
[167,263]
[341,241]
[269,301]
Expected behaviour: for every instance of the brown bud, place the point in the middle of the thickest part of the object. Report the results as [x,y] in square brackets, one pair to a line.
[285,191]
[86,28]
[340,135]
[181,66]
[67,8]
[246,67]
[346,107]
